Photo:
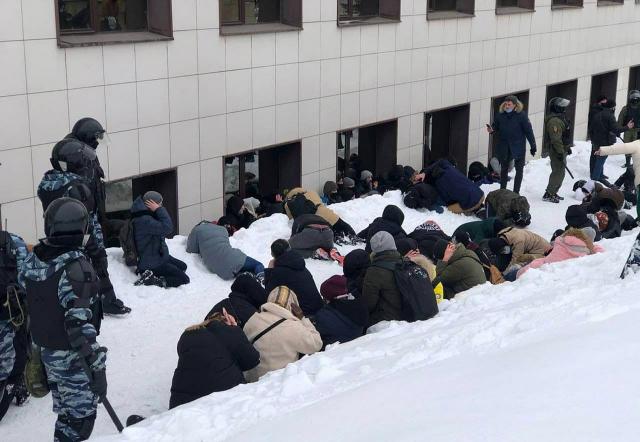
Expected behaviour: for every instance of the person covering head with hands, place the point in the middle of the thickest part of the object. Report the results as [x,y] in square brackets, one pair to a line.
[151,225]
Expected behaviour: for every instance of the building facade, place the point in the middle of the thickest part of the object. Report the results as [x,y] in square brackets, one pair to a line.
[203,99]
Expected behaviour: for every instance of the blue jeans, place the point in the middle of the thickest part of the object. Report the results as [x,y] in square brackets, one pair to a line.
[252,265]
[598,168]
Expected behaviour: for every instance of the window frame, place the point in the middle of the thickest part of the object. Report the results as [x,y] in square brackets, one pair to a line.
[464,9]
[567,4]
[388,12]
[290,20]
[92,36]
[522,6]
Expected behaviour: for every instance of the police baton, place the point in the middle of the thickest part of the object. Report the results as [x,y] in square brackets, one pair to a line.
[105,401]
[569,172]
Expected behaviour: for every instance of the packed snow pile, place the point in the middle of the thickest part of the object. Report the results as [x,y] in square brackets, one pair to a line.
[552,356]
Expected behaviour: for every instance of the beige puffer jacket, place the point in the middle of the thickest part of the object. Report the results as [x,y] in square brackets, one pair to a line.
[525,245]
[284,343]
[329,215]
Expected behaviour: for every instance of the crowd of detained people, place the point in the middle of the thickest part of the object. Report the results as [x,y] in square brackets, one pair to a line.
[275,316]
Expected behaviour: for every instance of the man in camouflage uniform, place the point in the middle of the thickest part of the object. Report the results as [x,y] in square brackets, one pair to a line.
[72,161]
[62,292]
[631,112]
[556,145]
[13,334]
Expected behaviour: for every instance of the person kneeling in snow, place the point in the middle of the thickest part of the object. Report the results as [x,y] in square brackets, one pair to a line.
[312,237]
[152,223]
[480,230]
[281,333]
[245,299]
[211,241]
[458,269]
[287,268]
[390,221]
[573,243]
[212,356]
[344,317]
[379,290]
[461,195]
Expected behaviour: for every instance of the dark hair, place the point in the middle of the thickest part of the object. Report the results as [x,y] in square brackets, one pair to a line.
[278,248]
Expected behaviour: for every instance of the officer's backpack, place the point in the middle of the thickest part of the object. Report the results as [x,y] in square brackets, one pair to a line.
[8,265]
[128,244]
[300,205]
[412,281]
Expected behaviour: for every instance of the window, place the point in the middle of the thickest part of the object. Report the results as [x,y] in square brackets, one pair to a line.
[514,6]
[121,194]
[252,16]
[93,22]
[263,172]
[441,9]
[373,148]
[610,2]
[559,4]
[363,11]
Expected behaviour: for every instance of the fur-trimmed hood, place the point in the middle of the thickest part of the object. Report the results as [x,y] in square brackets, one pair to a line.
[519,107]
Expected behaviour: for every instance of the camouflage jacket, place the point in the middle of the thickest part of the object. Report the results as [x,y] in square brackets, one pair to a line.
[55,180]
[77,310]
[553,135]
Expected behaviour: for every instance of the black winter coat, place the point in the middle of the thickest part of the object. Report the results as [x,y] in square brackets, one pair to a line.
[421,196]
[390,221]
[245,299]
[341,320]
[513,129]
[290,270]
[604,128]
[211,359]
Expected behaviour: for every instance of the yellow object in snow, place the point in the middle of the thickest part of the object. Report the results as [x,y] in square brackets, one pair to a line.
[439,291]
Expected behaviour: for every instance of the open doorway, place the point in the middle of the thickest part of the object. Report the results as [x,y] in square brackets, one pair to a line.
[263,172]
[634,79]
[523,96]
[602,85]
[121,194]
[373,148]
[568,90]
[446,135]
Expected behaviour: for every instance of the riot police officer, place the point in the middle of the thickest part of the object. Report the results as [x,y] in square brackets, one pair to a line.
[556,144]
[62,293]
[13,332]
[72,161]
[631,113]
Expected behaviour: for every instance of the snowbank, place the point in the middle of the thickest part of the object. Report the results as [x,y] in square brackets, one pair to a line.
[550,357]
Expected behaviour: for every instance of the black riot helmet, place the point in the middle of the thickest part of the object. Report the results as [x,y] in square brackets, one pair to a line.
[634,97]
[73,156]
[558,105]
[66,222]
[89,131]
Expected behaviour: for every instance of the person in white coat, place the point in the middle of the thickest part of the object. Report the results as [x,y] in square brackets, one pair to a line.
[633,149]
[280,332]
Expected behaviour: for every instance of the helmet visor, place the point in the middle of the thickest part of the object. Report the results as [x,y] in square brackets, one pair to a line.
[103,139]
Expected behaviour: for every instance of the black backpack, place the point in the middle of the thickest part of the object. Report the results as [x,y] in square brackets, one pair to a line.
[300,205]
[128,244]
[8,272]
[418,299]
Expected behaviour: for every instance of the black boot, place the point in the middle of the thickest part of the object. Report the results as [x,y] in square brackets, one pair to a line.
[115,308]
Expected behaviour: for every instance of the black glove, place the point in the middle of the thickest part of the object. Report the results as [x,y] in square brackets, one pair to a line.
[533,151]
[99,384]
[569,152]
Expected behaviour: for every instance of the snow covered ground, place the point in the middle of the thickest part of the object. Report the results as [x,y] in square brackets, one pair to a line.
[552,356]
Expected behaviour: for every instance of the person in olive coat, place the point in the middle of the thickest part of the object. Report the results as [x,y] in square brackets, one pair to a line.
[379,290]
[212,356]
[458,269]
[513,129]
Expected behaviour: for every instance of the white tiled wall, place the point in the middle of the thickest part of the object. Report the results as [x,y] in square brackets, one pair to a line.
[189,102]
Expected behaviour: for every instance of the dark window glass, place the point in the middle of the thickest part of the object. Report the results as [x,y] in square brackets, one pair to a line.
[250,12]
[359,8]
[230,11]
[75,15]
[122,15]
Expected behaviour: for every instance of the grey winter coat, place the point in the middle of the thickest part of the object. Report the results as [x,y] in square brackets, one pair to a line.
[212,243]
